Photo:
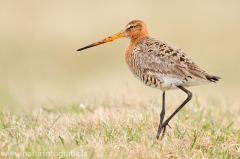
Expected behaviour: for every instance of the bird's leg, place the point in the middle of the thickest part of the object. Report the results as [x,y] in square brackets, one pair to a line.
[161,115]
[163,126]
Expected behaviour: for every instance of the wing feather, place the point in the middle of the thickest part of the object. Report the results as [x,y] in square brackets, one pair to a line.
[163,59]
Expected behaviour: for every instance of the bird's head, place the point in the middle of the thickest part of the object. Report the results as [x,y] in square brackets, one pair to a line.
[133,30]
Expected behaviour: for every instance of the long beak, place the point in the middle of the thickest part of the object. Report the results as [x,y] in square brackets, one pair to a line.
[111,38]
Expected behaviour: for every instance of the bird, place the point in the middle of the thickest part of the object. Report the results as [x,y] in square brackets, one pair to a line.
[159,65]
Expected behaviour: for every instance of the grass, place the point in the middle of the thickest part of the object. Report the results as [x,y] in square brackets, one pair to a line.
[125,127]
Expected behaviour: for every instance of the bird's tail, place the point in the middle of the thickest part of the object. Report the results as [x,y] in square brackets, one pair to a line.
[213,78]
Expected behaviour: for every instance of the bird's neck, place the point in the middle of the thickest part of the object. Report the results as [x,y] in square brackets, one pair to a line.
[140,36]
[133,41]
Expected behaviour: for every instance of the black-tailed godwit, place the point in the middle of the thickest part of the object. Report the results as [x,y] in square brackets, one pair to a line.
[158,65]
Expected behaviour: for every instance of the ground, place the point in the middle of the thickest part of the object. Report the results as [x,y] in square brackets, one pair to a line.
[124,127]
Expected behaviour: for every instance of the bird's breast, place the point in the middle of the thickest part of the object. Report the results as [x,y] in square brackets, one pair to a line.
[132,61]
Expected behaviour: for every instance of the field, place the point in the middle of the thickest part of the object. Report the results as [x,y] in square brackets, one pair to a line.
[125,127]
[60,103]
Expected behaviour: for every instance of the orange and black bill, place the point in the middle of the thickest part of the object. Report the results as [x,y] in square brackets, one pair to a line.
[111,38]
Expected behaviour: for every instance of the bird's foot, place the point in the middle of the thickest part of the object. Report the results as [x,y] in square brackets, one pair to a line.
[162,129]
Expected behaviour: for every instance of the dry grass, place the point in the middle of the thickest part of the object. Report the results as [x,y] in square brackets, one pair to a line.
[125,127]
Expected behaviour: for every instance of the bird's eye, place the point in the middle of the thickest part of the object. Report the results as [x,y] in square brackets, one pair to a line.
[131,27]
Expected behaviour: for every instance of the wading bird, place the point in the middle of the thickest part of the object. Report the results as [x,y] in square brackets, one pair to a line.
[158,65]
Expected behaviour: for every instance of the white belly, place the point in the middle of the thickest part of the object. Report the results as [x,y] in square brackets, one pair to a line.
[173,82]
[168,82]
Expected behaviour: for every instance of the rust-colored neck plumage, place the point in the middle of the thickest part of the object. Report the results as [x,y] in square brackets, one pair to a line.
[135,40]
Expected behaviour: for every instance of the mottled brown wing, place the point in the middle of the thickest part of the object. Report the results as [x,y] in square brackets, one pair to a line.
[163,59]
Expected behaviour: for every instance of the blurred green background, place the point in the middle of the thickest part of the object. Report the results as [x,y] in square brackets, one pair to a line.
[39,63]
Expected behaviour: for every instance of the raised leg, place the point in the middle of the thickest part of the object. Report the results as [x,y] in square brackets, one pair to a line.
[162,114]
[163,126]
